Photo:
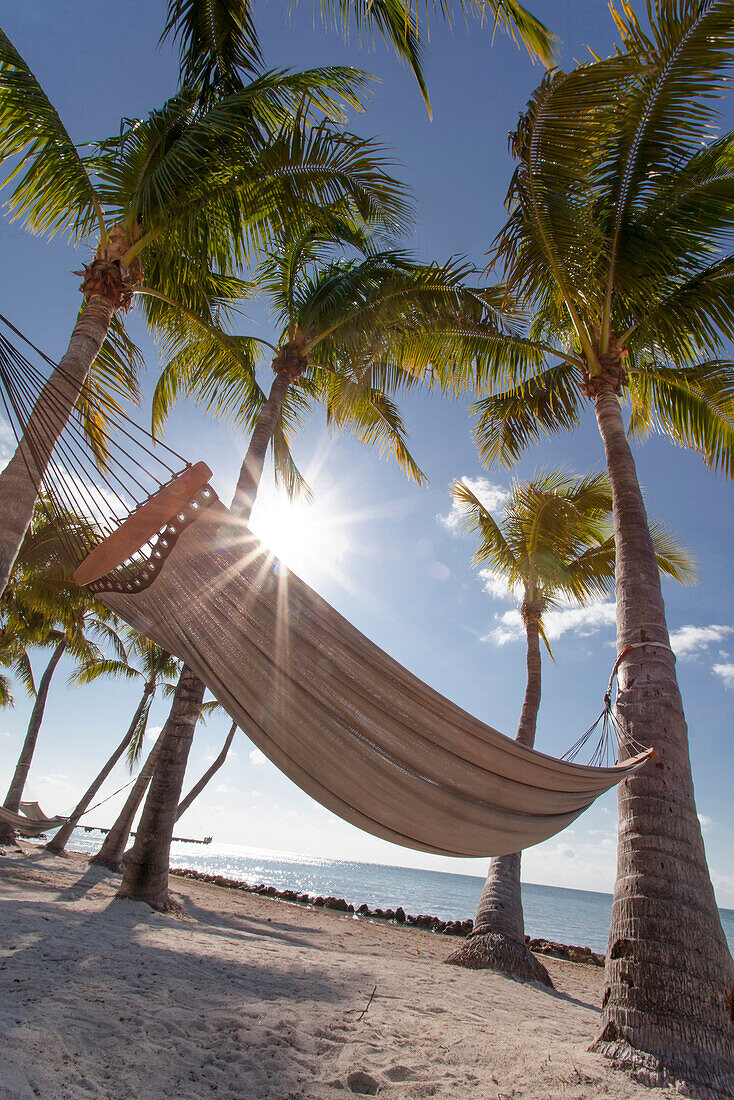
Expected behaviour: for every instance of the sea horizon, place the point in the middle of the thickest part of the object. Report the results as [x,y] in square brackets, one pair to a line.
[558,913]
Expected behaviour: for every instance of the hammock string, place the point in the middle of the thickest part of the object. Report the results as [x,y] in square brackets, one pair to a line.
[611,734]
[101,485]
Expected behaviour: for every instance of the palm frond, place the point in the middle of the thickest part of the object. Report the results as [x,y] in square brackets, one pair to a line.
[694,406]
[217,42]
[53,191]
[510,422]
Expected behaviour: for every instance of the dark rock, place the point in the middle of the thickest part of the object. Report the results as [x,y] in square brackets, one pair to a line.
[289,895]
[389,914]
[361,1083]
[364,909]
[467,927]
[336,903]
[350,908]
[319,900]
[304,899]
[438,925]
[424,921]
[378,913]
[400,915]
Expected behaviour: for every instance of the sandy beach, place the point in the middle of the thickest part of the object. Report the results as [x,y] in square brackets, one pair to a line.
[252,998]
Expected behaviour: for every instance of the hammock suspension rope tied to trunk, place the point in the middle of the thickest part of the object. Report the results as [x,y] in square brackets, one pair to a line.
[343,720]
[606,748]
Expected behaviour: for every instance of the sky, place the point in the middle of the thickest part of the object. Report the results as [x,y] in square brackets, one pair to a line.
[385,553]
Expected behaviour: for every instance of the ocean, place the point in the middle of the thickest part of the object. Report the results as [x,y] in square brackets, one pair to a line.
[579,917]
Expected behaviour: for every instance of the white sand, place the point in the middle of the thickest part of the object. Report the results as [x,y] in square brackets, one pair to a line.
[255,998]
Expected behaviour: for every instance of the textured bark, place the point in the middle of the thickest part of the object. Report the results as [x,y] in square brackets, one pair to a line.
[111,853]
[146,873]
[668,1002]
[58,843]
[17,784]
[21,478]
[211,771]
[252,467]
[497,941]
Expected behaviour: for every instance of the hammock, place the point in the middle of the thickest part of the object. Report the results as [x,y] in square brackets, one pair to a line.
[336,714]
[31,821]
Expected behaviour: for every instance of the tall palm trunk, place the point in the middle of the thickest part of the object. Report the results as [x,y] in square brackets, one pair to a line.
[211,771]
[252,467]
[112,850]
[21,478]
[146,873]
[497,941]
[669,997]
[15,791]
[58,843]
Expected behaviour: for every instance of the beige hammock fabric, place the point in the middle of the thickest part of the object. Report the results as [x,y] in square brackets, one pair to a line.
[31,821]
[336,714]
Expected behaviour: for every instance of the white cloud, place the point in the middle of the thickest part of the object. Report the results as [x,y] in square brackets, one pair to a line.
[726,672]
[258,758]
[691,640]
[152,732]
[492,497]
[511,629]
[706,822]
[496,586]
[580,620]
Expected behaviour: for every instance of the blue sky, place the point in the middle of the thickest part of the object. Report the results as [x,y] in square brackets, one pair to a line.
[381,550]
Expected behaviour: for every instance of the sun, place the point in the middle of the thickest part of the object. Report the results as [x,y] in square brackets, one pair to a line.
[309,538]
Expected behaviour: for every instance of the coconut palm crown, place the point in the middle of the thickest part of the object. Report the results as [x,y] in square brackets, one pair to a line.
[341,324]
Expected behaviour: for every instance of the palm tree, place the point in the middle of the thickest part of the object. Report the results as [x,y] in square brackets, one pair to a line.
[210,772]
[112,854]
[190,192]
[218,40]
[621,210]
[553,541]
[56,614]
[154,667]
[340,324]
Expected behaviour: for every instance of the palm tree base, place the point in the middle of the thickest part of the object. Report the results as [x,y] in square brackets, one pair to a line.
[702,1081]
[115,865]
[164,903]
[496,951]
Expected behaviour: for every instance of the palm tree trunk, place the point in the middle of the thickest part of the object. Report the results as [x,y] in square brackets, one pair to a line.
[15,791]
[252,467]
[146,873]
[497,941]
[669,997]
[21,478]
[199,787]
[58,843]
[112,850]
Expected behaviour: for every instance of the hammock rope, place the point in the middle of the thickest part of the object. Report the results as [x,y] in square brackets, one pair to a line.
[343,720]
[104,487]
[605,751]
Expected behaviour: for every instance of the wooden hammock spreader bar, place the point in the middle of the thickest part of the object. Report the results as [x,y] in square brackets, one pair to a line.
[142,524]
